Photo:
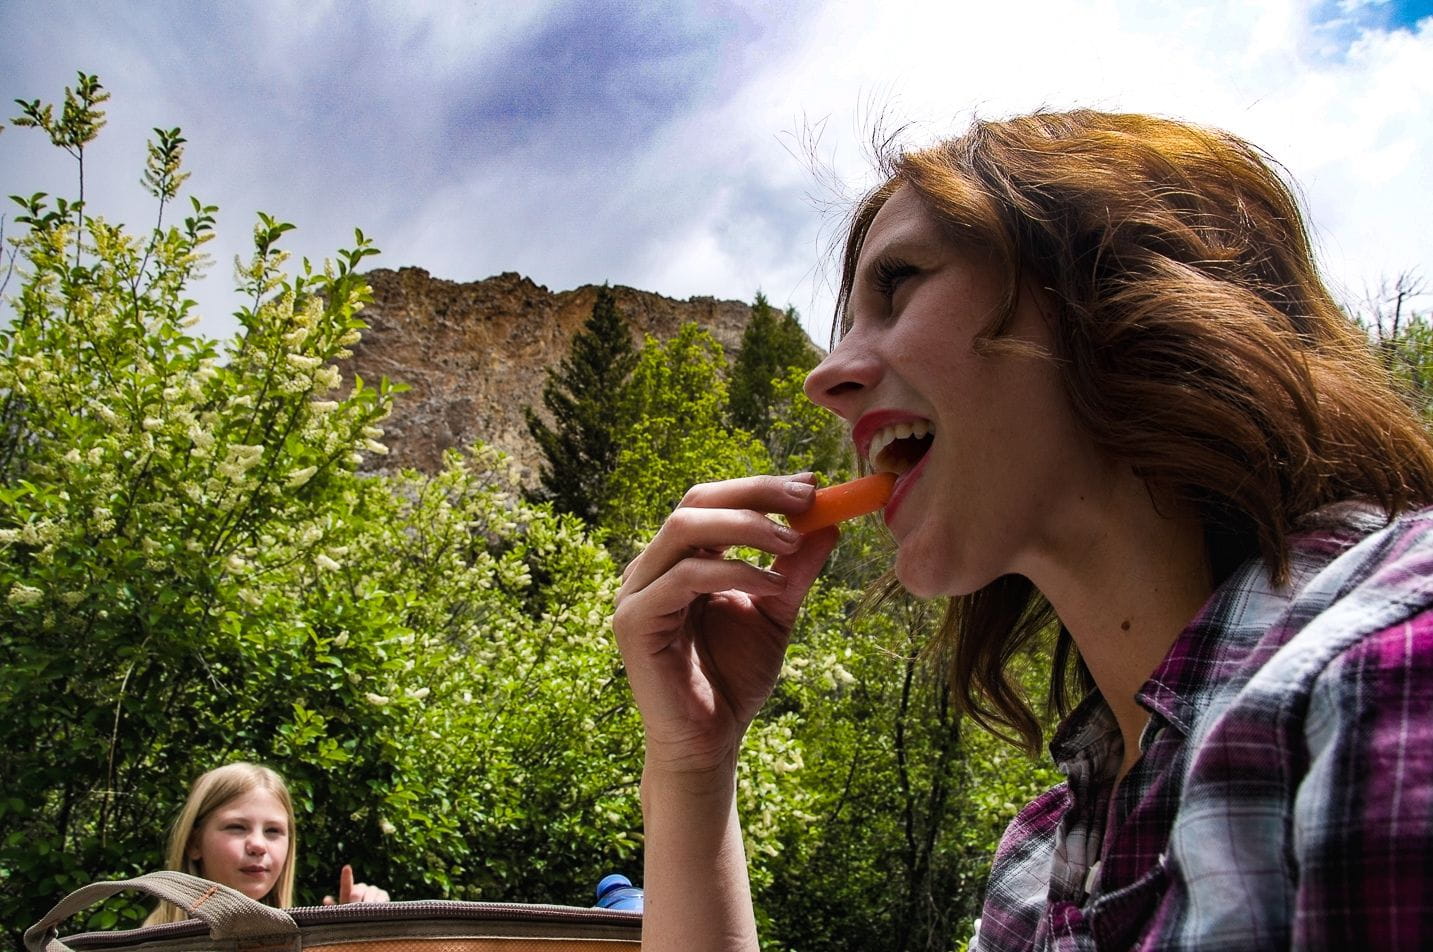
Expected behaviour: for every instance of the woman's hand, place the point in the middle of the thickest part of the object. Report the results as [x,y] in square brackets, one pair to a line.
[702,635]
[350,891]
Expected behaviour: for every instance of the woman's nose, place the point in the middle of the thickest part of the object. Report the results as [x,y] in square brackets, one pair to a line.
[255,844]
[847,371]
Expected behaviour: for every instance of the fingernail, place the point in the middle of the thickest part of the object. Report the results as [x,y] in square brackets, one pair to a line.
[800,490]
[786,533]
[776,577]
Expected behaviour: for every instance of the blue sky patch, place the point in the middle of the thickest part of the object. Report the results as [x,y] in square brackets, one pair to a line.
[1408,13]
[1355,15]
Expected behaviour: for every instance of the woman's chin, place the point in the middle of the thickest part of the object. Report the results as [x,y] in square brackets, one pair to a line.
[927,574]
[917,575]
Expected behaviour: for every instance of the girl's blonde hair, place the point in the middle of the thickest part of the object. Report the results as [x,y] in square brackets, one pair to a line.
[209,792]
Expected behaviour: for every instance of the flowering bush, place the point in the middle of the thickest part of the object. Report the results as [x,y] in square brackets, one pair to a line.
[194,572]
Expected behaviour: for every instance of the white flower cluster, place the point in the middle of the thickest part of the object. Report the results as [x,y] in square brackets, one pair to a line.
[300,476]
[23,596]
[769,751]
[239,459]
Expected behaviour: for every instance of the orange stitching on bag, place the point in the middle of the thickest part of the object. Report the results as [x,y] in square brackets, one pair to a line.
[208,895]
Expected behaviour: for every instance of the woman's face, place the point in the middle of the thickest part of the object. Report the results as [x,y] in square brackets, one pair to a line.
[994,469]
[244,843]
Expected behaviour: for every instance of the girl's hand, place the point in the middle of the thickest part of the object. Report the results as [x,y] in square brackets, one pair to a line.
[702,635]
[350,891]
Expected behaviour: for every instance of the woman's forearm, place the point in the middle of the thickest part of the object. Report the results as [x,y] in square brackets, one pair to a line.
[697,895]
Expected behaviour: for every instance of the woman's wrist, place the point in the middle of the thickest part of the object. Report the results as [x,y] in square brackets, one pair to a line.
[716,784]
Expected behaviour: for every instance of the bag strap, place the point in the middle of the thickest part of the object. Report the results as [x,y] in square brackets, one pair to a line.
[228,913]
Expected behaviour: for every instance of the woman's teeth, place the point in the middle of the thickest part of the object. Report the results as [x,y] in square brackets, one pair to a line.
[897,462]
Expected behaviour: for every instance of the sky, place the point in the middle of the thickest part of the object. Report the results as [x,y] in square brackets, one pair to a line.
[705,147]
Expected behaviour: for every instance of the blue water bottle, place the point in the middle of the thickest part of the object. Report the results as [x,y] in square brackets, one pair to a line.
[617,892]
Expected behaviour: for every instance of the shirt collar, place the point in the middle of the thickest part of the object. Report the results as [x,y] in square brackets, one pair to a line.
[1234,627]
[1087,736]
[1227,633]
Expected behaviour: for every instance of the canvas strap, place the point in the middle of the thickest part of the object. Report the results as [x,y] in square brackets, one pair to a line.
[229,914]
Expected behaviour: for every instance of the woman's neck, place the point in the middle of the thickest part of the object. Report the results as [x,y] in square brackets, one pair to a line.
[1125,578]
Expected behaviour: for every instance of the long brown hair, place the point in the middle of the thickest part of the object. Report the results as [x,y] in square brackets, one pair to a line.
[208,793]
[1196,340]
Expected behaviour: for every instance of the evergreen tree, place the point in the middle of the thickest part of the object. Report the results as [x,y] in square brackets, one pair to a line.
[673,435]
[772,344]
[581,396]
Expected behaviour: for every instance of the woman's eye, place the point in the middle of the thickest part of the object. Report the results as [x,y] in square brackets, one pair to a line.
[888,275]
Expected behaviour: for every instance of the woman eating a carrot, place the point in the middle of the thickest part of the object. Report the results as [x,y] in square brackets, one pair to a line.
[1116,402]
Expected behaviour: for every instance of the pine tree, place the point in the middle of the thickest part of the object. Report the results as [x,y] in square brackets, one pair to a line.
[772,344]
[675,435]
[581,396]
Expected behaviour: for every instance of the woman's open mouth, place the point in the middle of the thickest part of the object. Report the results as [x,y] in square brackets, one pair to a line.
[899,447]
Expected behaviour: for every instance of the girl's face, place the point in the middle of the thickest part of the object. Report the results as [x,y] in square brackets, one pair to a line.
[996,475]
[244,843]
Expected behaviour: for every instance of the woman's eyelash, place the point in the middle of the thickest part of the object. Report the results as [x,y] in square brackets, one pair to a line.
[887,273]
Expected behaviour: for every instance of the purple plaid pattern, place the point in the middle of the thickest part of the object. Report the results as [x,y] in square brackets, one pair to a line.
[1284,798]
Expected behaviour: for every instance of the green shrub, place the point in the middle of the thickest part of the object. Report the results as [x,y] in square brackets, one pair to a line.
[194,572]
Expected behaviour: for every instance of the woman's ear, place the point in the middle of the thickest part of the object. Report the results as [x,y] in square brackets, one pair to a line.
[192,849]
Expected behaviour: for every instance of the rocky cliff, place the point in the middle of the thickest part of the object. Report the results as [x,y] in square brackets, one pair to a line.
[474,355]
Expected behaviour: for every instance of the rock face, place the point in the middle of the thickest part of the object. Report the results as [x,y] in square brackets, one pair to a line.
[474,355]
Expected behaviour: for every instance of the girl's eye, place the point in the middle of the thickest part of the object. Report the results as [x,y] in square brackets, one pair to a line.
[887,275]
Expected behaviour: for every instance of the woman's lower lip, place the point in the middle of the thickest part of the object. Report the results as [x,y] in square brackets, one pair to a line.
[902,487]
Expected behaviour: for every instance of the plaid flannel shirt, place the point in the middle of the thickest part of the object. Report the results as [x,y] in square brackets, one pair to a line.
[1284,796]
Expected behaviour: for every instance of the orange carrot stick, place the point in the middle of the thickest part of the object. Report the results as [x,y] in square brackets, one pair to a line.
[844,501]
